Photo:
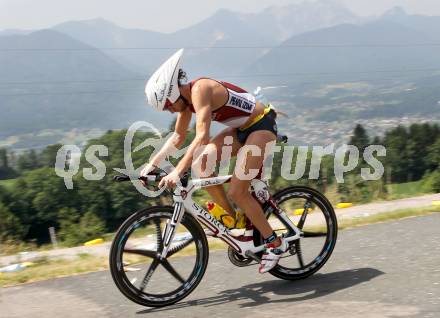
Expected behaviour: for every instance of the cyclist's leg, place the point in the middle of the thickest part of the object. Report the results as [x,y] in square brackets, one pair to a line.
[238,190]
[216,144]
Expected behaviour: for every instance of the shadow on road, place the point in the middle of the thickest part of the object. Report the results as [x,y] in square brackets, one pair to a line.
[257,294]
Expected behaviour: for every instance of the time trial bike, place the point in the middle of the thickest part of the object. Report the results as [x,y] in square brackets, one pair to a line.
[144,256]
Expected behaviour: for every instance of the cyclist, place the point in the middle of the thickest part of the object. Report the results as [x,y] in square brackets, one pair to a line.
[249,123]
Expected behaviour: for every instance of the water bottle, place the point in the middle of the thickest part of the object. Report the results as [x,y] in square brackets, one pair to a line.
[239,222]
[220,214]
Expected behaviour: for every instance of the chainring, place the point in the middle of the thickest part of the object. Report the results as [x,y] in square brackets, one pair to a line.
[237,259]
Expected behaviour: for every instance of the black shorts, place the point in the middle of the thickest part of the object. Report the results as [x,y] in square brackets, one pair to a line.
[266,123]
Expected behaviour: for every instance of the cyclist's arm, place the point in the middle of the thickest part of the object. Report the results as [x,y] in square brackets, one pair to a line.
[201,99]
[176,140]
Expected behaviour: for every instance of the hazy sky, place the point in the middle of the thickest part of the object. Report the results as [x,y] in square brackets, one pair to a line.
[165,15]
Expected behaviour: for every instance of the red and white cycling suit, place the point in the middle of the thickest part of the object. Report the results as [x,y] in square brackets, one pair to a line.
[237,109]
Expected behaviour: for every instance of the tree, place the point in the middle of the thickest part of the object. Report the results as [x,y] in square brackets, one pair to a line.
[4,158]
[420,139]
[10,227]
[48,155]
[360,138]
[91,225]
[5,196]
[28,161]
[355,189]
[76,229]
[377,141]
[6,172]
[395,141]
[433,156]
[69,220]
[432,181]
[36,198]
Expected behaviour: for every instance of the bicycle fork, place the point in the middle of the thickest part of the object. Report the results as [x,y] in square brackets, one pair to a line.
[170,228]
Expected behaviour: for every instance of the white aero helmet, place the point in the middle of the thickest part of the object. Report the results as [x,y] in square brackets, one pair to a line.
[163,84]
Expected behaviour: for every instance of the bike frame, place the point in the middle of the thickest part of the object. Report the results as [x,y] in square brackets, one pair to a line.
[183,203]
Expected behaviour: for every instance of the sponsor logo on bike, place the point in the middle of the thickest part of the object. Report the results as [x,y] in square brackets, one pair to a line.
[209,217]
[205,183]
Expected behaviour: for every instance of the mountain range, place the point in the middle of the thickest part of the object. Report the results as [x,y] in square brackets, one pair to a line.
[224,28]
[352,51]
[90,74]
[63,90]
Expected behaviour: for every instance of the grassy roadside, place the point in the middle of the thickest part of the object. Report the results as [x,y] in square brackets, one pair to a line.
[85,263]
[406,190]
[47,269]
[386,217]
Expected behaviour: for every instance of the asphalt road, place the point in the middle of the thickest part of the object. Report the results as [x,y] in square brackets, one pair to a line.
[381,270]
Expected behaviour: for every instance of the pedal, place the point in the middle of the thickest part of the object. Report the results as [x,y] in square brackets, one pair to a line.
[254,256]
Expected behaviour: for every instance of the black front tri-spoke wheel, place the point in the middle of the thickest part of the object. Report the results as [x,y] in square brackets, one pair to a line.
[137,268]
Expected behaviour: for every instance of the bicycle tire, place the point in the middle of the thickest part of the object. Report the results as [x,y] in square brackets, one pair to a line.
[332,230]
[117,266]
